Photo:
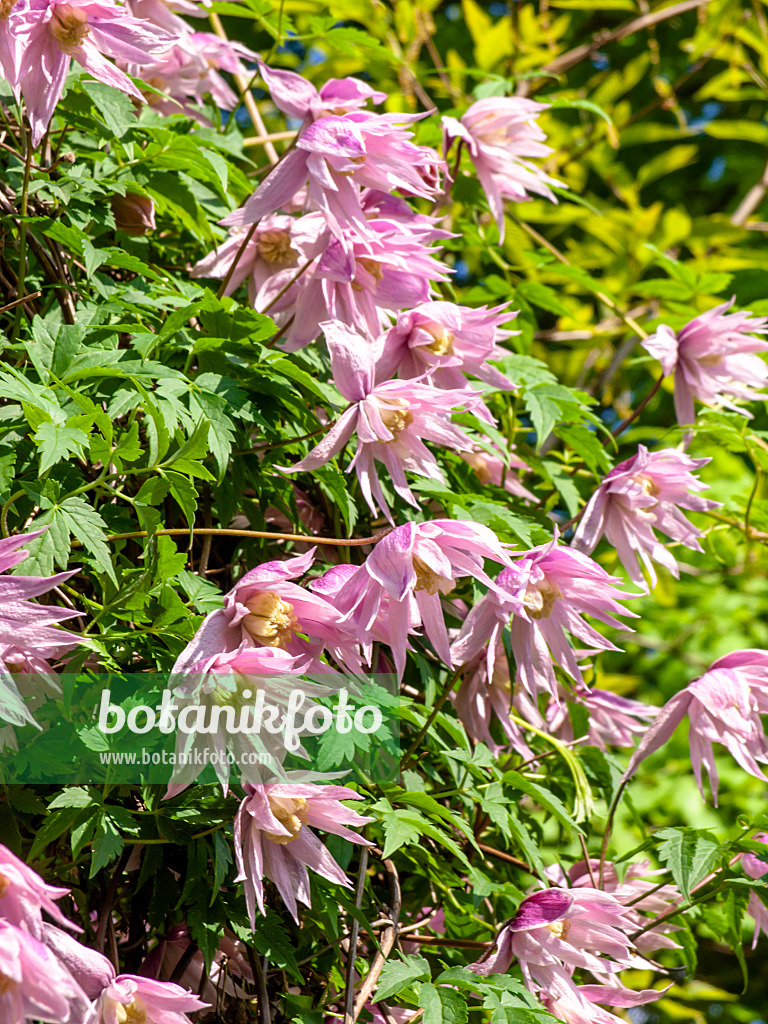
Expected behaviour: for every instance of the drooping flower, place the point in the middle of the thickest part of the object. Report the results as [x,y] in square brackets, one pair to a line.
[545,594]
[134,214]
[225,720]
[34,985]
[337,157]
[24,896]
[641,495]
[266,609]
[556,931]
[132,998]
[356,280]
[400,584]
[614,721]
[391,421]
[229,966]
[274,839]
[299,99]
[446,341]
[499,470]
[723,706]
[279,243]
[480,698]
[714,359]
[756,866]
[55,32]
[89,968]
[502,137]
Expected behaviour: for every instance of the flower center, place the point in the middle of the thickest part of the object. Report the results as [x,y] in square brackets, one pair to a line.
[275,247]
[540,598]
[443,343]
[270,621]
[292,814]
[7,984]
[560,929]
[374,268]
[6,6]
[69,25]
[133,1013]
[5,884]
[648,484]
[396,420]
[427,579]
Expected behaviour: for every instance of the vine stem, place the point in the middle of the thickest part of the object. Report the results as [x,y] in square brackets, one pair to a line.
[204,531]
[22,274]
[636,412]
[349,994]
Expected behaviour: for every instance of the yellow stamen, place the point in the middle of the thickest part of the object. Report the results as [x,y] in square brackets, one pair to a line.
[560,929]
[270,621]
[396,420]
[275,247]
[443,343]
[7,984]
[6,6]
[5,884]
[69,25]
[427,579]
[540,598]
[291,813]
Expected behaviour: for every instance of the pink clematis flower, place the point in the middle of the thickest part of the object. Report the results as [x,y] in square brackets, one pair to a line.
[53,32]
[391,421]
[24,896]
[356,280]
[445,342]
[336,157]
[274,838]
[299,99]
[266,609]
[498,470]
[614,721]
[501,136]
[132,998]
[723,706]
[92,971]
[229,966]
[280,243]
[545,593]
[400,584]
[755,867]
[481,698]
[713,359]
[556,931]
[34,985]
[641,495]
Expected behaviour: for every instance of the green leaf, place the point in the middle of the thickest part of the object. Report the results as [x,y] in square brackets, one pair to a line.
[57,442]
[397,975]
[689,854]
[442,1005]
[85,523]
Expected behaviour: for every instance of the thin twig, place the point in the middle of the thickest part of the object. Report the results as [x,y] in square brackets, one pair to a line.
[259,534]
[22,298]
[349,994]
[388,940]
[491,851]
[408,756]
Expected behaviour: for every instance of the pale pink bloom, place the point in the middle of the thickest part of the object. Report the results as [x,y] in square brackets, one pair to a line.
[723,706]
[391,421]
[641,495]
[713,359]
[165,13]
[755,867]
[545,593]
[614,721]
[499,470]
[355,280]
[502,137]
[480,698]
[299,99]
[430,920]
[92,971]
[337,157]
[274,839]
[34,986]
[279,243]
[556,931]
[266,609]
[230,964]
[226,692]
[24,896]
[132,998]
[446,341]
[399,586]
[54,32]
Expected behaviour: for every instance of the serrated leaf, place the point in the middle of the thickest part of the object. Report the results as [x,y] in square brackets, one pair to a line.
[397,975]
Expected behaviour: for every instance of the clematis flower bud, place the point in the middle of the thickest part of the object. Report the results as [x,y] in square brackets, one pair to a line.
[92,971]
[134,214]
